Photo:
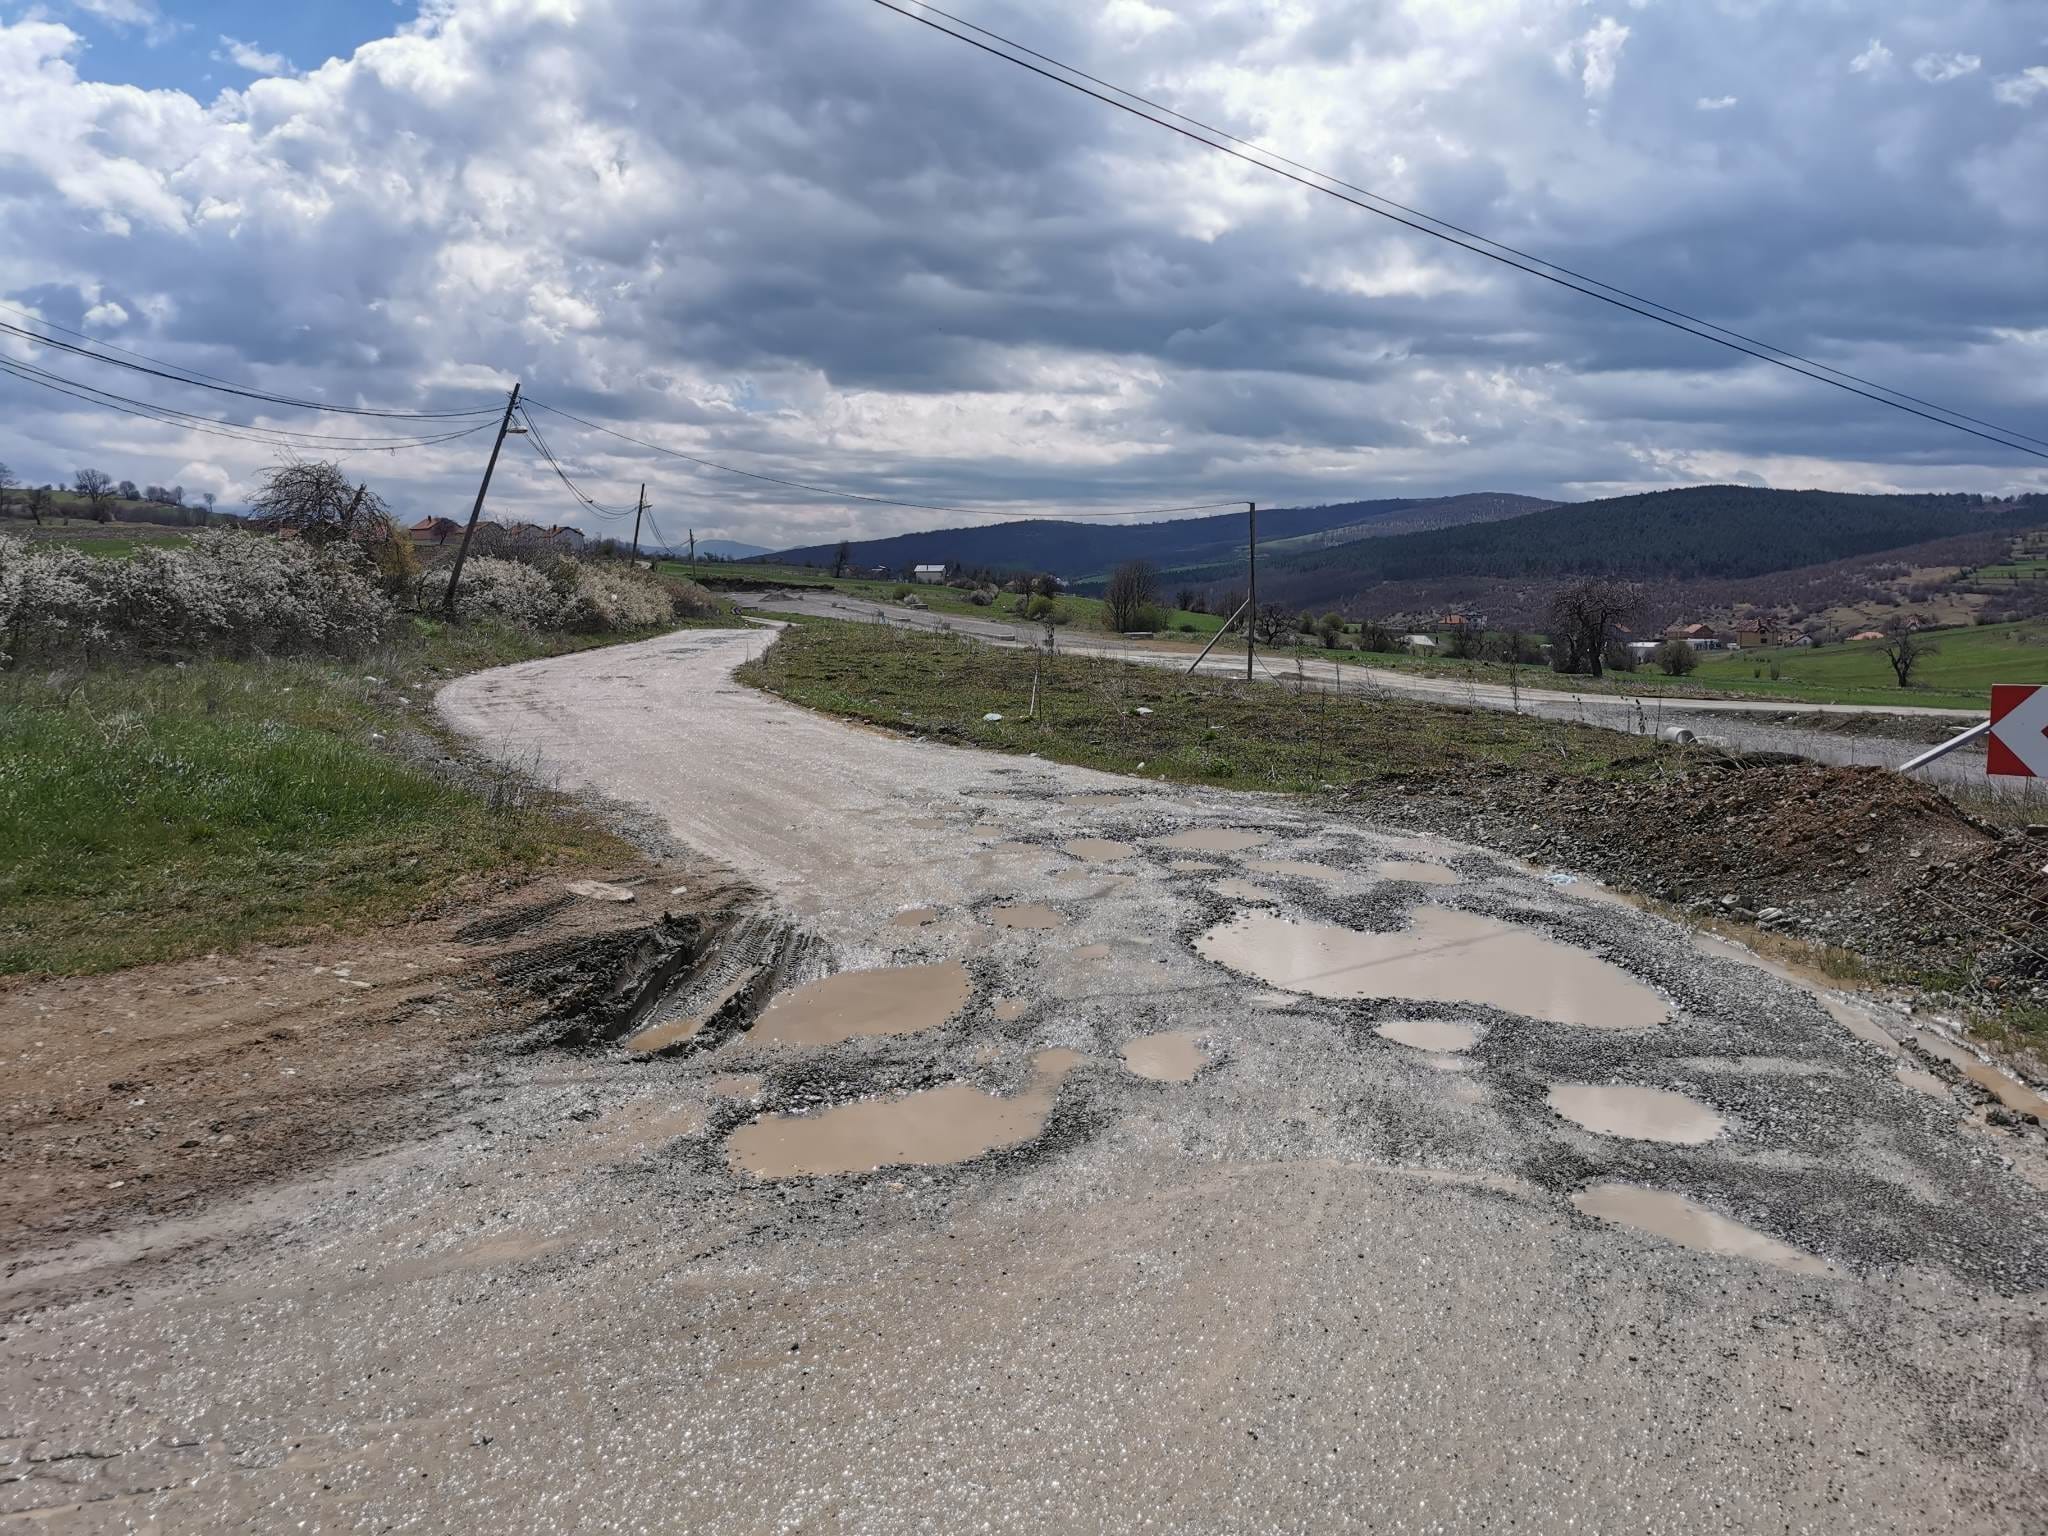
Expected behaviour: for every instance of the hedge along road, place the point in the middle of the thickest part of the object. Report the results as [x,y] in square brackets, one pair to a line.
[1241,1170]
[1744,724]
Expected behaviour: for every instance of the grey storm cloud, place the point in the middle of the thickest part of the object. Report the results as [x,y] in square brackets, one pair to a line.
[823,242]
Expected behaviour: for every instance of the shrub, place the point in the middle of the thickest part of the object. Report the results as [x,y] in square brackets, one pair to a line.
[900,592]
[510,590]
[1675,658]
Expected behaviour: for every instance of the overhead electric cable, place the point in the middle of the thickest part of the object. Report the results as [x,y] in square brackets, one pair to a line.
[174,375]
[886,501]
[1648,309]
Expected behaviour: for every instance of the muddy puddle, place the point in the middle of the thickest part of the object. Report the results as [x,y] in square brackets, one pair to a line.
[1009,1009]
[1686,1222]
[894,1000]
[936,1126]
[1098,850]
[914,917]
[1443,956]
[1295,869]
[1028,914]
[1445,1036]
[2009,1091]
[928,823]
[1636,1114]
[1212,840]
[1193,867]
[664,1033]
[1092,952]
[1921,1082]
[1243,890]
[1413,870]
[1172,1057]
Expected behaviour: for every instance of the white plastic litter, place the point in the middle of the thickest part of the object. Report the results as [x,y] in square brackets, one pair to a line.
[991,716]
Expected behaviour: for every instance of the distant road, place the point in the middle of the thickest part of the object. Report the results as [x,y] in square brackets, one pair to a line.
[1743,724]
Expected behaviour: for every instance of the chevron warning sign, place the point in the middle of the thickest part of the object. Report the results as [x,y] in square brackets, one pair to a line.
[2019,730]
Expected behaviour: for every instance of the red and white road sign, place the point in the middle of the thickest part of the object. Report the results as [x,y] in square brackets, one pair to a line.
[2019,730]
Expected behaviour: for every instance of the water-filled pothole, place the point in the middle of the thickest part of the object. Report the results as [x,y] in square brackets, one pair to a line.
[895,1000]
[1029,914]
[1637,1114]
[1411,870]
[1429,1034]
[1443,956]
[1237,889]
[914,917]
[938,1125]
[1171,1057]
[1212,840]
[1098,850]
[1677,1219]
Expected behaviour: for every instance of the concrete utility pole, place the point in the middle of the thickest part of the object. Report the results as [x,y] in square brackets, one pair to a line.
[476,511]
[693,554]
[1251,603]
[639,511]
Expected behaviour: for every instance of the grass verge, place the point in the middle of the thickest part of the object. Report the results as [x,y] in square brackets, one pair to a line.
[1197,730]
[153,812]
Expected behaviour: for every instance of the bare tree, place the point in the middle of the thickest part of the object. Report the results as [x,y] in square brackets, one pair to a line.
[7,483]
[1188,600]
[38,502]
[209,498]
[1271,624]
[1583,617]
[1905,648]
[315,498]
[840,556]
[97,487]
[1132,588]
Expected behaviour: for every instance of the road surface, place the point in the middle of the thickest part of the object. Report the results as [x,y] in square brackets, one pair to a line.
[1248,1171]
[1745,724]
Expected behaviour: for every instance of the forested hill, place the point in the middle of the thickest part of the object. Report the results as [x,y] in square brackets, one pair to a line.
[1078,551]
[1706,531]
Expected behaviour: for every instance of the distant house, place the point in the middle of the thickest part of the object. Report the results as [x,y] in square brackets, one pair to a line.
[928,573]
[1755,632]
[432,532]
[568,540]
[1419,643]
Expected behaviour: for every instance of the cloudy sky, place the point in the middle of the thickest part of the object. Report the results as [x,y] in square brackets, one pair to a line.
[815,239]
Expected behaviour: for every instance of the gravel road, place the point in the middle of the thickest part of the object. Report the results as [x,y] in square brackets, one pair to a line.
[1248,1170]
[1744,724]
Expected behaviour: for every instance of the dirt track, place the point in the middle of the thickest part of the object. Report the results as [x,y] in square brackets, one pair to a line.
[1331,1281]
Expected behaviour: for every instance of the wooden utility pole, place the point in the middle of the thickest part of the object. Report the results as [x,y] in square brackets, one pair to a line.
[693,553]
[1251,606]
[638,511]
[462,554]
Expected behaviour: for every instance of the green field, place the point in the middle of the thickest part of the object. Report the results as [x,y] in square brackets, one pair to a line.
[150,812]
[1959,675]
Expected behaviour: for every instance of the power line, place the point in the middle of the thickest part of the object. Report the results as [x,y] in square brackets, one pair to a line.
[1380,197]
[1648,309]
[176,375]
[886,501]
[236,431]
[540,444]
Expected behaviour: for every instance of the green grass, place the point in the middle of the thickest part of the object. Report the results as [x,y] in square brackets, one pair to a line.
[1200,730]
[1959,675]
[153,812]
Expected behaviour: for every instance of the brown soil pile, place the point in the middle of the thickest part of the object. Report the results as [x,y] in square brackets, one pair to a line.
[1855,857]
[140,1094]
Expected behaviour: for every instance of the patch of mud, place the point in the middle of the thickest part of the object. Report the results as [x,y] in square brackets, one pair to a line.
[1193,867]
[1412,870]
[894,1000]
[1686,1222]
[1439,1035]
[1171,1057]
[952,1124]
[1922,1082]
[1443,956]
[737,1085]
[1636,1114]
[1295,869]
[915,917]
[1213,840]
[1237,889]
[2009,1091]
[1029,914]
[1098,850]
[1094,802]
[1092,952]
[1009,1009]
[659,1037]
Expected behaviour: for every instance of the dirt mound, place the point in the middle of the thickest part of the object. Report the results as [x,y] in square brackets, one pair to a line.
[1855,857]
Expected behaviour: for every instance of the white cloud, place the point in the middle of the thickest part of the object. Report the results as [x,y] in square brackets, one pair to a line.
[2020,90]
[1596,56]
[1873,60]
[107,314]
[248,56]
[1938,68]
[141,15]
[1715,103]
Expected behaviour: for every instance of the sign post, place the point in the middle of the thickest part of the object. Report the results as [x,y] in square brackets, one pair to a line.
[2019,731]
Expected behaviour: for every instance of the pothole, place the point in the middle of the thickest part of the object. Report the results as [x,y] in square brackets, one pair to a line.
[1212,840]
[1171,1057]
[1295,869]
[1415,871]
[914,917]
[1442,1035]
[1677,1219]
[1243,890]
[1098,850]
[1009,1009]
[895,1000]
[1637,1114]
[951,1124]
[1443,956]
[1029,914]
[1193,867]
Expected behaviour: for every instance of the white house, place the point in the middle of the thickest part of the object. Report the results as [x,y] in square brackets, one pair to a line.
[1418,642]
[931,573]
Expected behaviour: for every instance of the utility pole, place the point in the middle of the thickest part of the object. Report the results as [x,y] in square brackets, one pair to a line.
[462,554]
[693,554]
[638,511]
[1251,605]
